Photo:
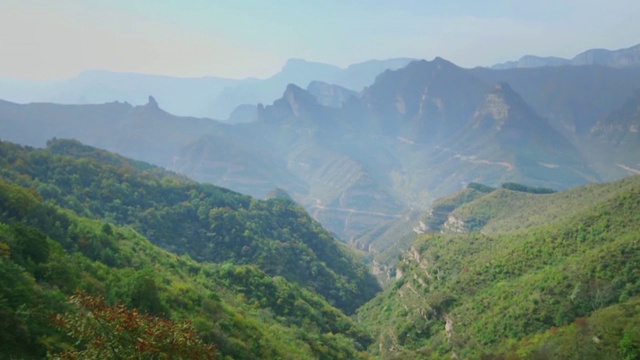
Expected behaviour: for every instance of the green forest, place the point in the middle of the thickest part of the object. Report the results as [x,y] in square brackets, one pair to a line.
[103,257]
[249,278]
[563,286]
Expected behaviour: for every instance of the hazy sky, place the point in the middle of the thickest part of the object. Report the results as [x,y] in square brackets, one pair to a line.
[50,39]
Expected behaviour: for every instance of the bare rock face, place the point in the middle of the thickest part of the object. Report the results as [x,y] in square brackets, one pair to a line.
[329,94]
[454,225]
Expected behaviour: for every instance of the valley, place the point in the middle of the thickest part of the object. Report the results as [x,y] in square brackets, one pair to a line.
[371,155]
[397,209]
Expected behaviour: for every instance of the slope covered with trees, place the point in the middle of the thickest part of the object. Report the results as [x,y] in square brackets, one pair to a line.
[545,290]
[204,221]
[73,218]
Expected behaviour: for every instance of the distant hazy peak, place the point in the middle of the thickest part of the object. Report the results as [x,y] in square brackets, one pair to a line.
[330,94]
[627,57]
[152,103]
[294,91]
[530,61]
[297,65]
[442,61]
[298,98]
[437,63]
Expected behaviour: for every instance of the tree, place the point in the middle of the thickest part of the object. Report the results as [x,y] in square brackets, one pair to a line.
[115,332]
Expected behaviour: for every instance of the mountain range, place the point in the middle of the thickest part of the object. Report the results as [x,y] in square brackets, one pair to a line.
[495,207]
[355,161]
[622,58]
[100,254]
[208,96]
[252,278]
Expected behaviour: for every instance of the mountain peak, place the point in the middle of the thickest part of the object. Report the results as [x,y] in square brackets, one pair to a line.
[621,58]
[293,91]
[298,98]
[441,61]
[152,103]
[504,89]
[301,67]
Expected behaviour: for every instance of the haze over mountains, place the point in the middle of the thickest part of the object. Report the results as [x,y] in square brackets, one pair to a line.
[476,198]
[353,161]
[213,97]
[622,58]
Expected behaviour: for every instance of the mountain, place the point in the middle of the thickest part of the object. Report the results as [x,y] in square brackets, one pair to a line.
[207,96]
[330,95]
[506,131]
[622,58]
[221,160]
[181,96]
[425,101]
[618,132]
[144,132]
[573,98]
[208,223]
[413,135]
[84,225]
[629,57]
[301,73]
[532,61]
[541,277]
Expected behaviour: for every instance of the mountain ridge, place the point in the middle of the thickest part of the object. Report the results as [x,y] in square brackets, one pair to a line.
[407,140]
[532,279]
[625,57]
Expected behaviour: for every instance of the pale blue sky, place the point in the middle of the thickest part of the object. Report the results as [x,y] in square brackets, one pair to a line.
[52,39]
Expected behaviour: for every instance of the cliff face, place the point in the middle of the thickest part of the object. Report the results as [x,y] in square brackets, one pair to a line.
[330,95]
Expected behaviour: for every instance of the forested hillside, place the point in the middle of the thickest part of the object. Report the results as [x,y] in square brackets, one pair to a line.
[527,273]
[74,218]
[565,284]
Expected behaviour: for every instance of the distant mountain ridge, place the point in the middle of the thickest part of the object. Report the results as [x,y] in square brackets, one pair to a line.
[301,73]
[207,96]
[622,58]
[181,96]
[354,162]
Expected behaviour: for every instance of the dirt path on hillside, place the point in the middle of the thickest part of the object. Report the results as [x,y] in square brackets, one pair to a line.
[635,171]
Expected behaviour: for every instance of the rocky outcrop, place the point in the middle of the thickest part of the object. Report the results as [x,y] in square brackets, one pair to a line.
[454,225]
[329,94]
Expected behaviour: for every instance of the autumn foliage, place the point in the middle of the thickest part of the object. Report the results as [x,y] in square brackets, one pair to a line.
[115,332]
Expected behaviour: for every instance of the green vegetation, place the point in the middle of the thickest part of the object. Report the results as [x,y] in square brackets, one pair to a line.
[527,189]
[609,333]
[481,211]
[206,222]
[115,332]
[478,294]
[441,208]
[551,275]
[505,210]
[73,218]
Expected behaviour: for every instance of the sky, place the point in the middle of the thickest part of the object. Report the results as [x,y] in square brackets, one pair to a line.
[57,39]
